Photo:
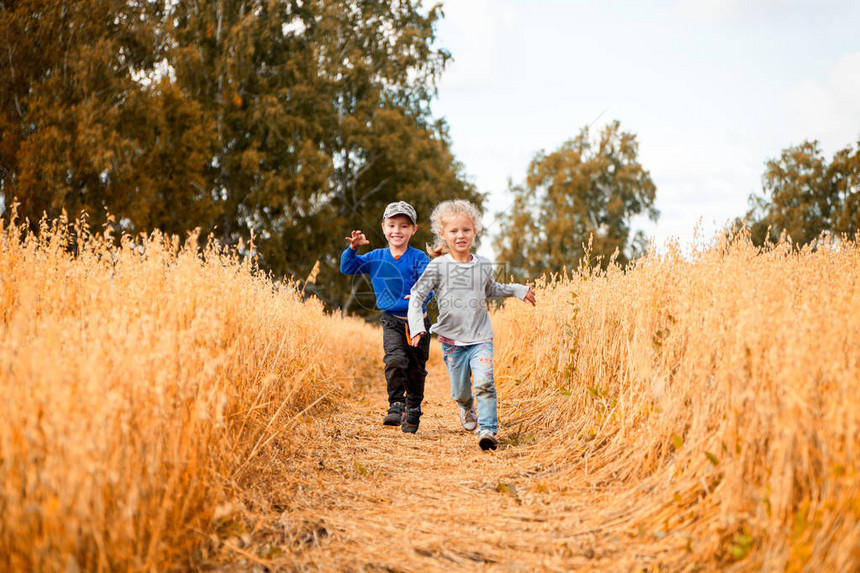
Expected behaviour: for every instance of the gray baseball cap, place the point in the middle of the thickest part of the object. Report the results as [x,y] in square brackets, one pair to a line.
[401,208]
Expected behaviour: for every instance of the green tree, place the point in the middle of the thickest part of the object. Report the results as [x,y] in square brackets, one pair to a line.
[88,122]
[584,192]
[288,121]
[322,117]
[803,195]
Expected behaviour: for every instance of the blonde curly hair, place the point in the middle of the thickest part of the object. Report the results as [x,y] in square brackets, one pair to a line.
[444,212]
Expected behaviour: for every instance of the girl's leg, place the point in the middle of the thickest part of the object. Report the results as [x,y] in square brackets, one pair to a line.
[481,364]
[457,361]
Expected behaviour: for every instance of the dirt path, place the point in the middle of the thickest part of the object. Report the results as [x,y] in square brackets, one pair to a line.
[371,498]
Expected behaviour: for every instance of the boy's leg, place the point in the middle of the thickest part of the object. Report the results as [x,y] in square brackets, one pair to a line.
[457,361]
[481,363]
[396,358]
[417,373]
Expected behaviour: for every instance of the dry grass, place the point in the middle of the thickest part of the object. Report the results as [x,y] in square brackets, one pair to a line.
[709,402]
[143,385]
[166,408]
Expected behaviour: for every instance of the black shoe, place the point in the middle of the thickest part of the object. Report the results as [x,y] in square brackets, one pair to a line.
[394,417]
[411,420]
[487,440]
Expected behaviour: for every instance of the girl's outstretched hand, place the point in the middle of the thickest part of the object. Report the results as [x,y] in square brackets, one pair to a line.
[416,338]
[357,239]
[530,297]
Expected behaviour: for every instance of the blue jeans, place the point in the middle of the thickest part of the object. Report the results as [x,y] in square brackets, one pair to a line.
[473,361]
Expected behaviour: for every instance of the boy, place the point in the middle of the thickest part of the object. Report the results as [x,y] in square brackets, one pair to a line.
[393,271]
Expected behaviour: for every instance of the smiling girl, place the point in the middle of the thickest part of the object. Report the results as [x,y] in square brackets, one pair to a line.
[462,283]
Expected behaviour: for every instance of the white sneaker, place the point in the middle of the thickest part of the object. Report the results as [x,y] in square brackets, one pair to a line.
[469,418]
[487,440]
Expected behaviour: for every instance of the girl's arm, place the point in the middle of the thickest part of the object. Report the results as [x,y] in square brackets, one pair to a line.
[498,290]
[427,282]
[522,292]
[421,266]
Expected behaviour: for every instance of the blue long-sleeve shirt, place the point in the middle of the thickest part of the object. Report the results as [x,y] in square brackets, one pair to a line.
[392,279]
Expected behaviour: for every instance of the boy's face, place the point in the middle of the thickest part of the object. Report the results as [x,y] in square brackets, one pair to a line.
[398,230]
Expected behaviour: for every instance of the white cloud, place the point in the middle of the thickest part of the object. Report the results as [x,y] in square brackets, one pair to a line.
[845,86]
[509,18]
[712,88]
[473,32]
[828,111]
[727,10]
[719,10]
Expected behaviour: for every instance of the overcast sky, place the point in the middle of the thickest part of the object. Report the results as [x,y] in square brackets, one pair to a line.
[711,88]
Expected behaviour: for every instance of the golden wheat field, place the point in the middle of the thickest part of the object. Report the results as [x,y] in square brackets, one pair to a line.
[167,408]
[719,391]
[142,383]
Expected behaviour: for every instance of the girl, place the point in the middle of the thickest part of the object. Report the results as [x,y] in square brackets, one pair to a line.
[462,283]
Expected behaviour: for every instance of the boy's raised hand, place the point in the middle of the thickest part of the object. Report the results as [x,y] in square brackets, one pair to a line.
[357,239]
[530,297]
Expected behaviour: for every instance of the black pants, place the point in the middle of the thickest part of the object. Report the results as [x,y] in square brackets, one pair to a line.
[404,364]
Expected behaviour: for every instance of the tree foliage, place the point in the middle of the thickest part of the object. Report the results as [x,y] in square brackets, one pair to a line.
[804,195]
[585,192]
[78,131]
[288,121]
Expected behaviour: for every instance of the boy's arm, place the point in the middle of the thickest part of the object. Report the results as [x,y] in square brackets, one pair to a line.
[428,281]
[351,263]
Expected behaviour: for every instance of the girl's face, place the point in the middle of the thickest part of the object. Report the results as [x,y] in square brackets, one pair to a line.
[458,232]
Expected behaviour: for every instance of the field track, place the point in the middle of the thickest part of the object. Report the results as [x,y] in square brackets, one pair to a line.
[375,499]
